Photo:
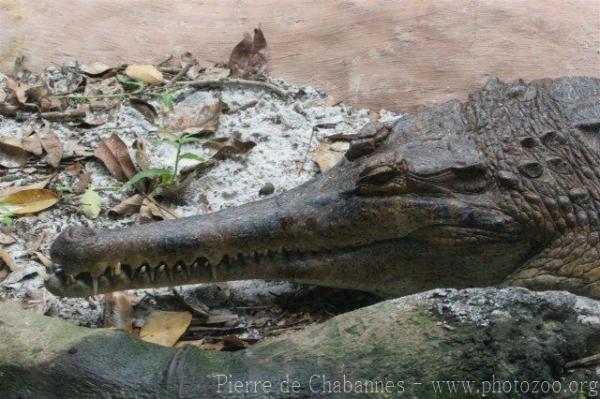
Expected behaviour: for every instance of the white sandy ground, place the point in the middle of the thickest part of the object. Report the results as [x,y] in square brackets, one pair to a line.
[282,130]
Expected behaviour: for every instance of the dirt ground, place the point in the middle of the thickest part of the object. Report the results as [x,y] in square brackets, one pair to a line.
[398,55]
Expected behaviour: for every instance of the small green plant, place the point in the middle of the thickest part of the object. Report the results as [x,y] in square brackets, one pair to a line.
[6,217]
[167,176]
[63,189]
[129,84]
[166,96]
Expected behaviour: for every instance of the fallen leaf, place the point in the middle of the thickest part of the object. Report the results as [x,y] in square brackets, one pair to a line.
[18,88]
[248,60]
[233,343]
[5,192]
[165,328]
[113,153]
[83,182]
[12,155]
[128,206]
[53,147]
[6,239]
[73,169]
[90,204]
[6,259]
[145,73]
[328,153]
[213,73]
[8,110]
[142,158]
[150,210]
[94,69]
[28,201]
[190,121]
[72,149]
[144,108]
[118,311]
[104,87]
[32,144]
[227,146]
[92,119]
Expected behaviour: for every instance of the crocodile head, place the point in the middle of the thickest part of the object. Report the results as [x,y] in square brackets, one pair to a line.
[463,194]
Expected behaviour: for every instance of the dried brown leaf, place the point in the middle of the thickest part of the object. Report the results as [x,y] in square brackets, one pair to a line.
[150,210]
[6,239]
[5,192]
[83,183]
[191,121]
[72,149]
[227,146]
[233,342]
[213,73]
[12,155]
[145,73]
[330,153]
[141,155]
[19,89]
[8,110]
[94,69]
[118,311]
[248,59]
[73,169]
[6,259]
[144,108]
[28,201]
[128,206]
[32,144]
[113,152]
[53,147]
[104,87]
[165,328]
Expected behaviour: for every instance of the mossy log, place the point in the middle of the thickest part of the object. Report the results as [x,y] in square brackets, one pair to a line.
[391,349]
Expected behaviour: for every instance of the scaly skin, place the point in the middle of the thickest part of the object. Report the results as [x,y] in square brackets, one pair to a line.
[501,189]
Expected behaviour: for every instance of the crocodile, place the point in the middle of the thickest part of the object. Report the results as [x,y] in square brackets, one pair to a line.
[501,189]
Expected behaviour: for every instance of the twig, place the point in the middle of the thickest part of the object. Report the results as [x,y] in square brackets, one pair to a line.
[181,73]
[169,58]
[149,198]
[583,362]
[234,82]
[312,134]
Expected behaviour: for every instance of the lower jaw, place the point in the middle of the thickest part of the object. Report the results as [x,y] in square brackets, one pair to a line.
[267,266]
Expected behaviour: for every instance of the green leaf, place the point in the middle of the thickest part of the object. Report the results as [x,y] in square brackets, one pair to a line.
[189,155]
[147,173]
[90,204]
[130,84]
[63,189]
[186,139]
[167,99]
[6,219]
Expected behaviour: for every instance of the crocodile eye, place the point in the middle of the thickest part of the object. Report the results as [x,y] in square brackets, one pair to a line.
[470,179]
[382,179]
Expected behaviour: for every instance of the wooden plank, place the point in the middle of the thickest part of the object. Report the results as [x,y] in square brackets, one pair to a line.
[400,55]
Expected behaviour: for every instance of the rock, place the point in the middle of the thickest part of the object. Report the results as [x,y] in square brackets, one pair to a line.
[267,189]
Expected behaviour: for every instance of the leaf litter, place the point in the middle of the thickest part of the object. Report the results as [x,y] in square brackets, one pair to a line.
[75,133]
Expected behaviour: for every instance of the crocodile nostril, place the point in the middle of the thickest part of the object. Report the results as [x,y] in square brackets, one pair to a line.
[76,233]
